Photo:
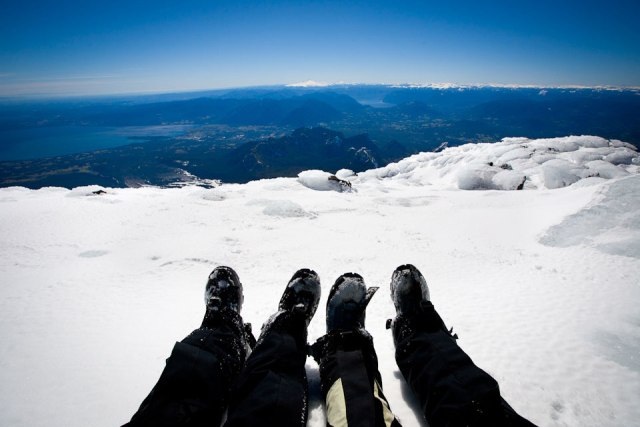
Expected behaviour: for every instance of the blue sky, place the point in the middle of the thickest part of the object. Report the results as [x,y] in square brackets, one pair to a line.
[89,47]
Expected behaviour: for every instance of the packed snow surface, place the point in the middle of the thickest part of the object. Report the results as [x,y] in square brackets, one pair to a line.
[541,285]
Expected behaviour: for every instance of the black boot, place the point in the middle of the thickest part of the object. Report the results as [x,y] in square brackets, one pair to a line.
[348,302]
[414,310]
[194,387]
[349,377]
[297,306]
[408,289]
[272,388]
[451,389]
[346,309]
[223,290]
[302,294]
[223,299]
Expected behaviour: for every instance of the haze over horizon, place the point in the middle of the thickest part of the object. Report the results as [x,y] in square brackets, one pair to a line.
[89,48]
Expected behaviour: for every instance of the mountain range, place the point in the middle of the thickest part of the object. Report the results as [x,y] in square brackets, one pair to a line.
[243,134]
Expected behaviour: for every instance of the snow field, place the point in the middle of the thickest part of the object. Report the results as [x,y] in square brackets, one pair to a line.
[517,162]
[541,286]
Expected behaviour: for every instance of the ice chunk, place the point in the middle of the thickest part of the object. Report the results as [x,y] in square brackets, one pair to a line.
[89,190]
[617,143]
[509,180]
[590,141]
[605,169]
[345,173]
[623,156]
[323,181]
[476,178]
[583,156]
[558,145]
[557,177]
[517,153]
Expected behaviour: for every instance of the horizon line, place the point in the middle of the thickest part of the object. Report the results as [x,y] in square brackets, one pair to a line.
[310,84]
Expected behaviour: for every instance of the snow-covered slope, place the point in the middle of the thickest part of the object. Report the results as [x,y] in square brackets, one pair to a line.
[541,286]
[513,162]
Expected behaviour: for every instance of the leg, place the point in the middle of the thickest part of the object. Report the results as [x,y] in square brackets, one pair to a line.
[193,389]
[272,388]
[350,381]
[453,391]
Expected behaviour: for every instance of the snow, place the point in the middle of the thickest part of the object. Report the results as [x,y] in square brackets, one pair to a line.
[462,86]
[345,173]
[323,181]
[541,285]
[282,208]
[545,163]
[309,83]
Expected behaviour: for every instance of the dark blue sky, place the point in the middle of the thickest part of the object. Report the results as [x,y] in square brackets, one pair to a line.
[89,47]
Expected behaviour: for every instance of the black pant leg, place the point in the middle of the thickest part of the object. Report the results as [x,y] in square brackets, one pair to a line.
[272,387]
[452,390]
[193,389]
[350,381]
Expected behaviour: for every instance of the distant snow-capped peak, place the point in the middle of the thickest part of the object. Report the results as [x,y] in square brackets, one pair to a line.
[309,83]
[464,86]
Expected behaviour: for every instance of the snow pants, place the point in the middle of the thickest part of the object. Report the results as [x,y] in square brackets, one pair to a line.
[350,381]
[272,388]
[451,389]
[193,389]
[204,375]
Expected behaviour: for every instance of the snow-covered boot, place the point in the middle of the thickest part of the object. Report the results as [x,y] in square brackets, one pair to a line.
[408,289]
[347,303]
[297,306]
[349,377]
[302,294]
[346,307]
[223,290]
[272,387]
[223,299]
[451,389]
[414,310]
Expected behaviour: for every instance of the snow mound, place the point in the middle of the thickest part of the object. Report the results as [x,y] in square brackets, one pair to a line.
[516,164]
[324,181]
[611,224]
[89,190]
[212,196]
[285,209]
[345,173]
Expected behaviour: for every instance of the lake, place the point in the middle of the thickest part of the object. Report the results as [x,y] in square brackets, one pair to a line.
[41,142]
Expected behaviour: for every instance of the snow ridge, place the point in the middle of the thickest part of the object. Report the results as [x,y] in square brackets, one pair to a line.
[515,163]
